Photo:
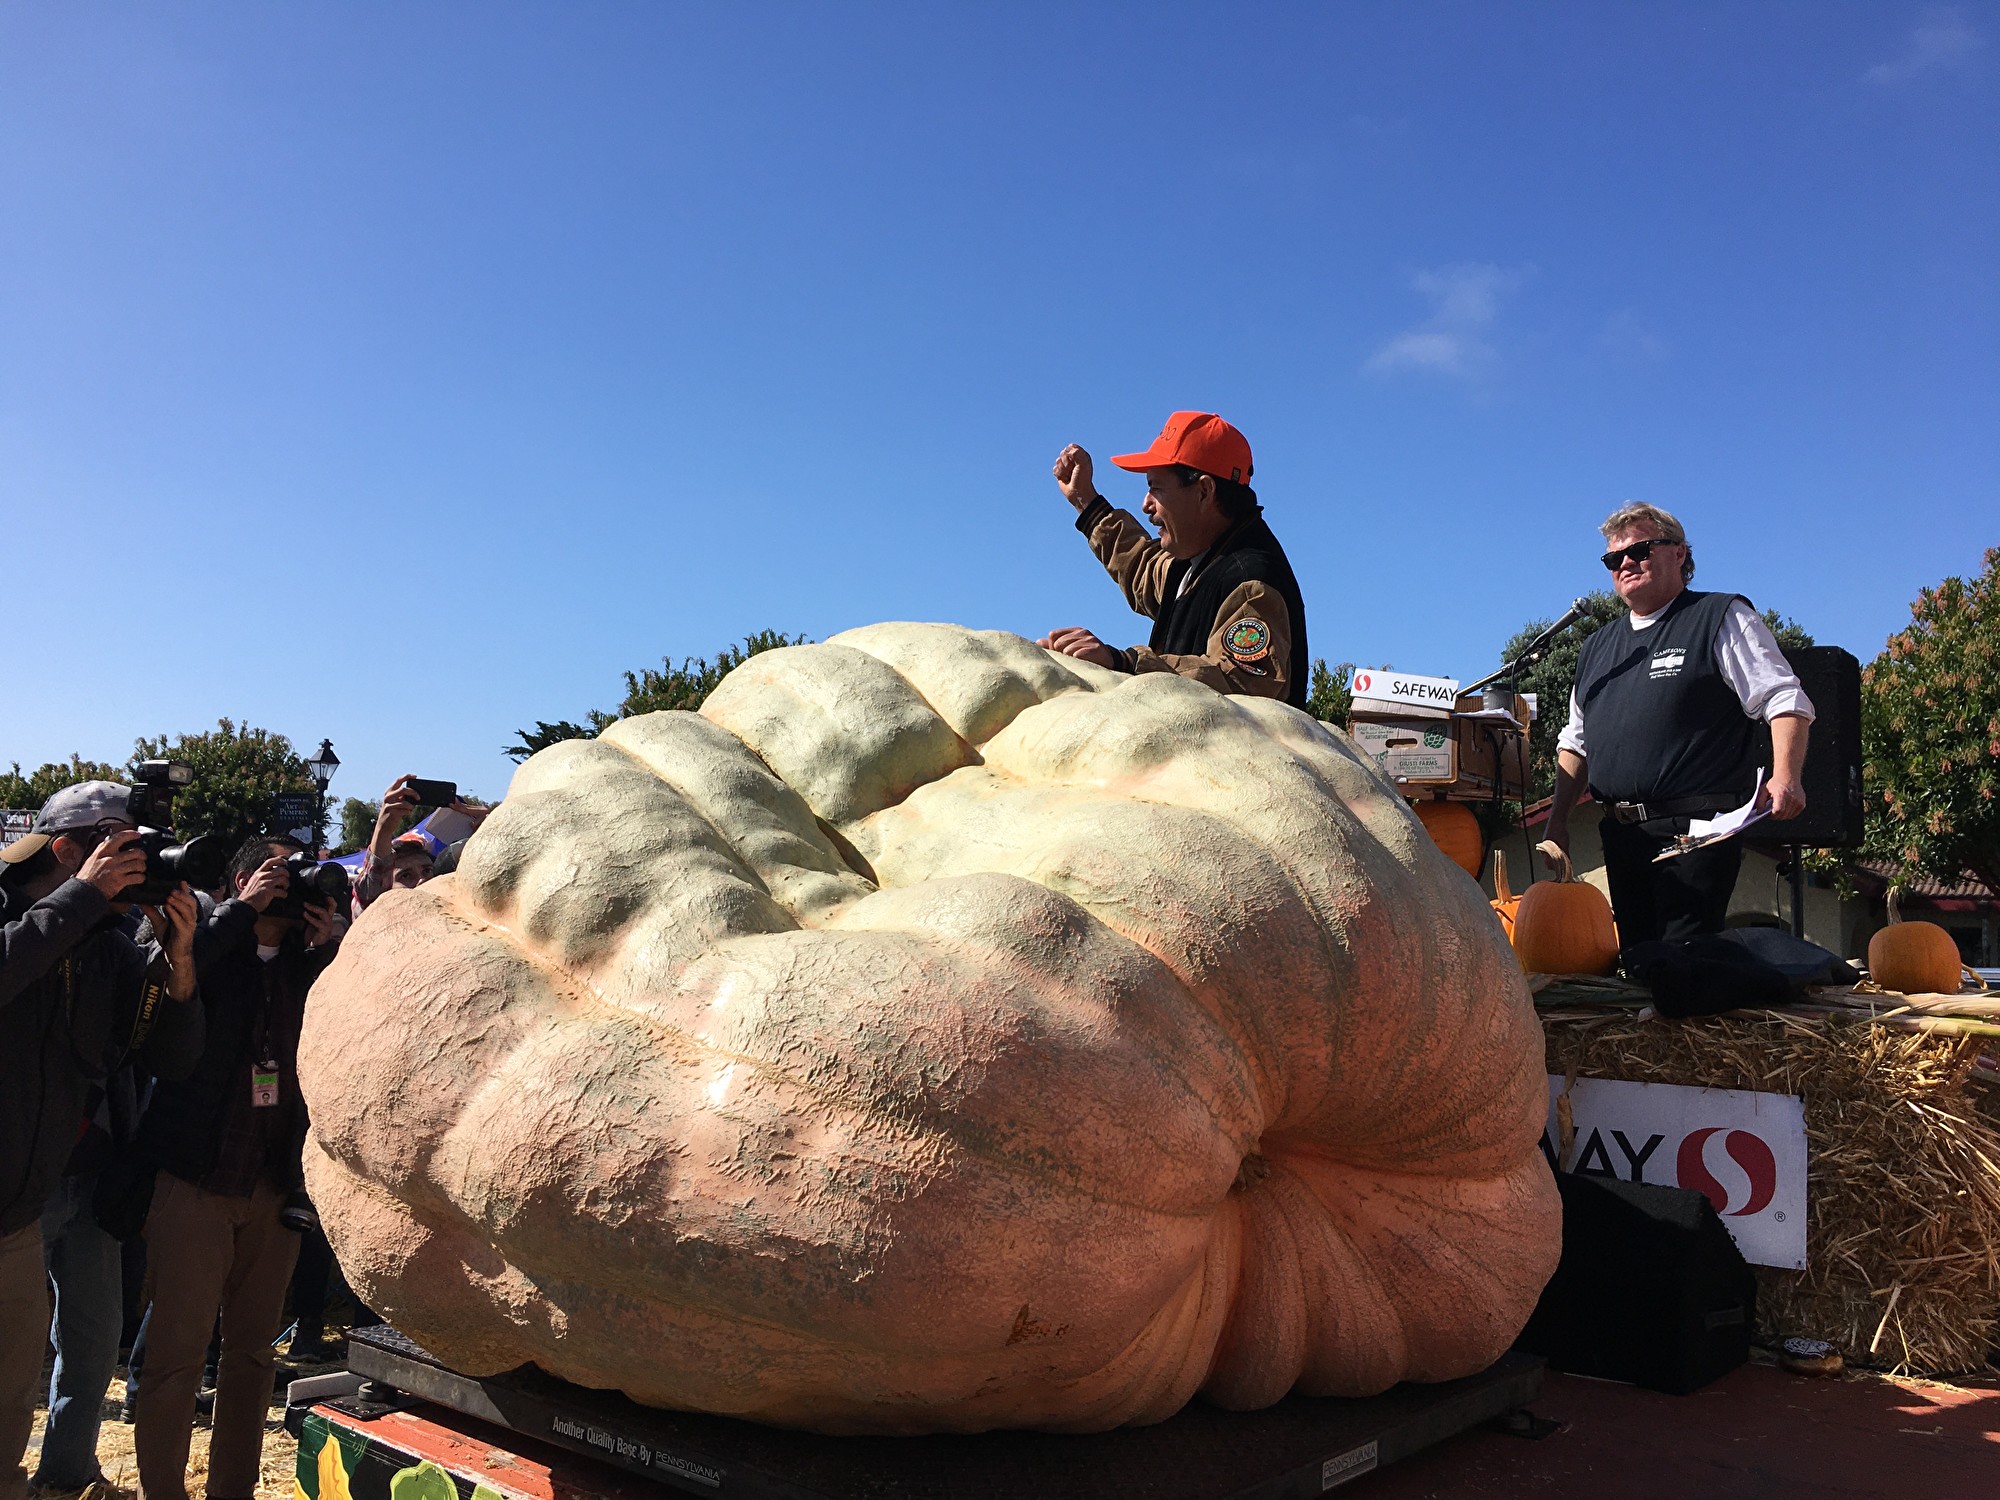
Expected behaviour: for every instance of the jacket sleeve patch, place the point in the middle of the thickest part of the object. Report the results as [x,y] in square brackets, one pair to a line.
[1247,640]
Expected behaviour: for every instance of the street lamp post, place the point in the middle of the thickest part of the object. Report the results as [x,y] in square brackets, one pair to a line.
[322,766]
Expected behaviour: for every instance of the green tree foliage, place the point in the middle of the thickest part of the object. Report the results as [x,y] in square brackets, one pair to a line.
[686,685]
[1329,695]
[27,793]
[1551,679]
[357,824]
[653,690]
[545,734]
[237,773]
[1930,732]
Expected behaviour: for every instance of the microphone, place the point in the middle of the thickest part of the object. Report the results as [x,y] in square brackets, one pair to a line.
[1578,609]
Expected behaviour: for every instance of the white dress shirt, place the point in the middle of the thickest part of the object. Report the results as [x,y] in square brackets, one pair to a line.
[1747,655]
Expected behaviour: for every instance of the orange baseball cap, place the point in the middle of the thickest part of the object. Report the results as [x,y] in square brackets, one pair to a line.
[1199,439]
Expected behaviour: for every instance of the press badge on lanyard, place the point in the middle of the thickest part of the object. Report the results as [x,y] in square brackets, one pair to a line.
[264,1085]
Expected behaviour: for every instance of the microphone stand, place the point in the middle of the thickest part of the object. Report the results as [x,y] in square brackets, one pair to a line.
[1533,652]
[1503,680]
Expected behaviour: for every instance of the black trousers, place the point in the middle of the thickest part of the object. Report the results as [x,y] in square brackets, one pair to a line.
[1681,898]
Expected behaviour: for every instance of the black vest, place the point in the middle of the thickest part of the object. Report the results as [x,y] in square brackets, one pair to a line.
[1246,553]
[1660,721]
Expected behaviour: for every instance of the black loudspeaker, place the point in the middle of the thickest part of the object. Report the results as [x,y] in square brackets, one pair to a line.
[1650,1289]
[1834,816]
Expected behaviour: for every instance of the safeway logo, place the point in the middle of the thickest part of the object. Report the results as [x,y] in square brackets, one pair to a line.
[1405,687]
[1744,1159]
[1745,1152]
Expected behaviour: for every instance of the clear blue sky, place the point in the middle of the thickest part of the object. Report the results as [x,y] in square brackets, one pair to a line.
[403,373]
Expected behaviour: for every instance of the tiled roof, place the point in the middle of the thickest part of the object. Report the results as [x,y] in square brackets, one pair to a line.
[1874,875]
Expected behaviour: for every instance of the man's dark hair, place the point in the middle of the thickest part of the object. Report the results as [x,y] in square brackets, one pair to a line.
[253,852]
[31,869]
[1234,500]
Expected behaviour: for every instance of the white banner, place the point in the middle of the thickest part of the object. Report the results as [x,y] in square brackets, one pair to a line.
[1745,1152]
[1402,687]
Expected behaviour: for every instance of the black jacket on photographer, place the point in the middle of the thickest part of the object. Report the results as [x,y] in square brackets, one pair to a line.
[204,1128]
[77,997]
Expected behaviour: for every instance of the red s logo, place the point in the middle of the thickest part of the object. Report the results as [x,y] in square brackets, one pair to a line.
[1747,1151]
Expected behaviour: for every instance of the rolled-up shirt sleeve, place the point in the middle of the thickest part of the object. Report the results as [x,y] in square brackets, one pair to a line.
[1571,737]
[1747,655]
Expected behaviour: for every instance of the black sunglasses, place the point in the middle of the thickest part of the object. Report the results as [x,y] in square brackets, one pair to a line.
[1638,552]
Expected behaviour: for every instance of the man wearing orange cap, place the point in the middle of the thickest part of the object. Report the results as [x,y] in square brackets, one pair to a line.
[1225,607]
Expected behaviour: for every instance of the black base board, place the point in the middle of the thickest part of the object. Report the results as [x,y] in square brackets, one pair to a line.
[1302,1446]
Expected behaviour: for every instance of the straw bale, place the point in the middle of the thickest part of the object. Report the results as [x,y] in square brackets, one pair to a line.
[1903,1182]
[117,1458]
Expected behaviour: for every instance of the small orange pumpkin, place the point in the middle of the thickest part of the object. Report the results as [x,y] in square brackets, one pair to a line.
[1455,830]
[1565,927]
[1505,902]
[1914,958]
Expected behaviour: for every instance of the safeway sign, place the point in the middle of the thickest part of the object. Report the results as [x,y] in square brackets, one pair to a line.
[1403,687]
[1745,1152]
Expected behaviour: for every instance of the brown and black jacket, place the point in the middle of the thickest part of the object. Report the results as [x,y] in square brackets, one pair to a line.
[1232,618]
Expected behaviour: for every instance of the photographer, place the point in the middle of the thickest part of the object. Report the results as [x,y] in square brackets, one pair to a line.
[398,860]
[77,996]
[227,1140]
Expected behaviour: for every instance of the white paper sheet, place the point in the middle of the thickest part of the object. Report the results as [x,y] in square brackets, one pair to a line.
[1704,831]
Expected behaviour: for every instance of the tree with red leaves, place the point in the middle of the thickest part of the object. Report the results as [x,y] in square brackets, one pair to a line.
[1930,726]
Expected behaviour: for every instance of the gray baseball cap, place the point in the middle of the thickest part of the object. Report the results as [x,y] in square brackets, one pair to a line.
[84,805]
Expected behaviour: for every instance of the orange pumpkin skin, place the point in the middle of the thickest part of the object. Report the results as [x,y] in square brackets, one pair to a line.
[1565,927]
[1914,958]
[935,1033]
[1505,903]
[1456,831]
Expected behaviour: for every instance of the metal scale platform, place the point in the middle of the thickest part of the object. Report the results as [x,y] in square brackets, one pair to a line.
[1302,1446]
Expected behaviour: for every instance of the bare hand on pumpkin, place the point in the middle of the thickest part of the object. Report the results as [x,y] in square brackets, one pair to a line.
[1074,640]
[1073,473]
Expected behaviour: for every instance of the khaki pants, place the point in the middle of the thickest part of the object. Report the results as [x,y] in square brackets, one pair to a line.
[207,1252]
[24,1334]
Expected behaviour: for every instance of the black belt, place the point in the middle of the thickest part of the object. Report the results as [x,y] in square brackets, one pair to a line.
[1679,807]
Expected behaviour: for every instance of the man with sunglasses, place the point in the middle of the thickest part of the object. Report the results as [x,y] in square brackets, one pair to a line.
[1225,605]
[77,997]
[1661,729]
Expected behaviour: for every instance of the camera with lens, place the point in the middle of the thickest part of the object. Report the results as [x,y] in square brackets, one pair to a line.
[200,861]
[311,883]
[297,1213]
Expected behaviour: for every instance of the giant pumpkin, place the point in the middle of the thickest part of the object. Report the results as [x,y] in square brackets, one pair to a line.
[934,1033]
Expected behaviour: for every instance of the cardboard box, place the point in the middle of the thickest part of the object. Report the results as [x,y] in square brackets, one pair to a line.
[1418,750]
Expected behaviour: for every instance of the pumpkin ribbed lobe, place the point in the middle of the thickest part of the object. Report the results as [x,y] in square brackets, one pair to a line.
[936,1033]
